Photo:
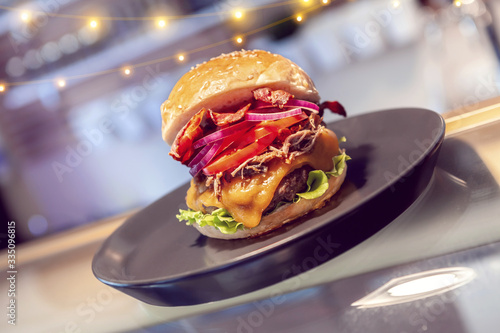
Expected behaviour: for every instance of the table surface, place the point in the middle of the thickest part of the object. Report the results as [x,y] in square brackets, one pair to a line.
[454,223]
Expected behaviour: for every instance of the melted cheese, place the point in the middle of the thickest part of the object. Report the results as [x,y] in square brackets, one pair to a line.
[246,199]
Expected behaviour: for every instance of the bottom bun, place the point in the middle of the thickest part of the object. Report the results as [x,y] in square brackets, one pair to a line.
[280,216]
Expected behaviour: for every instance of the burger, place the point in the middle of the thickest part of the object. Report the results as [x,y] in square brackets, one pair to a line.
[249,126]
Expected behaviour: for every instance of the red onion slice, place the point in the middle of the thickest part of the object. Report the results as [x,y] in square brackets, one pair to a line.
[204,157]
[290,104]
[272,116]
[222,133]
[302,104]
[199,156]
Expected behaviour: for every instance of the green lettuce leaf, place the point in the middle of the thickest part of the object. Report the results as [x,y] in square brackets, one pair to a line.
[317,184]
[338,165]
[317,180]
[220,219]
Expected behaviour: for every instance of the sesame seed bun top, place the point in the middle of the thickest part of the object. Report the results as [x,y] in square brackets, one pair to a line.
[229,80]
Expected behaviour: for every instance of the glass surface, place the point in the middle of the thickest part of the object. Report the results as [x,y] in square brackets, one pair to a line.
[80,136]
[469,308]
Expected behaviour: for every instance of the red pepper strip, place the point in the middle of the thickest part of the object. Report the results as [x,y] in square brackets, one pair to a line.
[231,141]
[253,135]
[232,159]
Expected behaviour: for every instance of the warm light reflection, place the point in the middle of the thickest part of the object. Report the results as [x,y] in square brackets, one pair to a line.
[308,3]
[423,285]
[61,83]
[25,16]
[238,14]
[161,23]
[417,286]
[238,39]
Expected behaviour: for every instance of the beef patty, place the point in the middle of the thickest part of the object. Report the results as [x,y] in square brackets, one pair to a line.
[294,182]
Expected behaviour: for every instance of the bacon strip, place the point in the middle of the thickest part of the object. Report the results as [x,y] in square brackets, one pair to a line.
[182,149]
[274,97]
[335,107]
[221,119]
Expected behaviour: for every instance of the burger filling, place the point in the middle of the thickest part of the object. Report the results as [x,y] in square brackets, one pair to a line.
[246,163]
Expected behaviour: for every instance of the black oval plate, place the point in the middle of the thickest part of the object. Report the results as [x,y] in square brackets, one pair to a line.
[155,258]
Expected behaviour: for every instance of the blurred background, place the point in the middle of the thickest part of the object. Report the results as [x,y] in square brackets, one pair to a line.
[81,83]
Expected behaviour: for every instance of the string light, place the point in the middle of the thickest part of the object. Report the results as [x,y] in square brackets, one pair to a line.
[458,3]
[25,16]
[149,18]
[2,88]
[93,24]
[325,2]
[61,83]
[161,23]
[238,39]
[181,57]
[127,71]
[238,14]
[396,4]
